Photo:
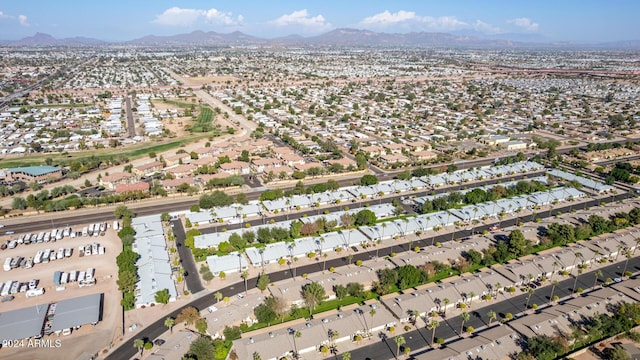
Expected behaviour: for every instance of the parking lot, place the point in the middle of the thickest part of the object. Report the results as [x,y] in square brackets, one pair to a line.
[88,338]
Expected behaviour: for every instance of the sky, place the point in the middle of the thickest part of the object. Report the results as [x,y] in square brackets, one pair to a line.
[585,21]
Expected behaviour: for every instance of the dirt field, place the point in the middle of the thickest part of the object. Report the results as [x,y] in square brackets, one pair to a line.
[175,125]
[89,339]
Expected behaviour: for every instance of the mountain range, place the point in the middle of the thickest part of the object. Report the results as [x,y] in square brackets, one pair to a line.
[337,37]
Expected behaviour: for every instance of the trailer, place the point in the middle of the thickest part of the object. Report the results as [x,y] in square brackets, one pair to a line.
[90,273]
[14,287]
[6,287]
[47,237]
[90,231]
[56,277]
[64,278]
[60,253]
[40,237]
[101,250]
[81,276]
[72,276]
[7,264]
[15,262]
[35,292]
[66,232]
[94,249]
[85,231]
[29,263]
[68,252]
[38,258]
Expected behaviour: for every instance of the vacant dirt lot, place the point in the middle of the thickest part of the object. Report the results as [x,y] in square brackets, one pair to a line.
[89,338]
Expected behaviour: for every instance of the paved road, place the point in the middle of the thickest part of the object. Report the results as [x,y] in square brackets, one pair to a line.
[131,125]
[126,349]
[186,259]
[420,339]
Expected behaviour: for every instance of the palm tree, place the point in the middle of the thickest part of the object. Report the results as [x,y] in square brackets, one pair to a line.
[295,334]
[577,255]
[530,291]
[433,324]
[169,322]
[245,275]
[139,344]
[492,316]
[399,342]
[597,274]
[554,283]
[446,302]
[497,286]
[626,263]
[256,356]
[575,282]
[218,295]
[470,297]
[346,356]
[465,316]
[620,248]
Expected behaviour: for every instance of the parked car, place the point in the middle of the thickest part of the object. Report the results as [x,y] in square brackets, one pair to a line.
[159,342]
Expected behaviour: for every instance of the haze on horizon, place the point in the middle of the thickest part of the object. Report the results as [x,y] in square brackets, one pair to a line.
[587,21]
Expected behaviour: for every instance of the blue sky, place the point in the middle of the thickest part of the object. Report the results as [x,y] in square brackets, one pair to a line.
[115,20]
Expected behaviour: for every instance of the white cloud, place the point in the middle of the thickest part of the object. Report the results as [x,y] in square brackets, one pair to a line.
[176,16]
[23,20]
[402,17]
[302,17]
[387,17]
[525,23]
[486,28]
[3,15]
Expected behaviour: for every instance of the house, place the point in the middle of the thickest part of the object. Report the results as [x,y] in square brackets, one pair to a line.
[292,159]
[147,169]
[180,171]
[139,186]
[236,168]
[424,155]
[112,180]
[260,164]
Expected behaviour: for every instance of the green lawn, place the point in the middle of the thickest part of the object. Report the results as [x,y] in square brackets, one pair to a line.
[132,152]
